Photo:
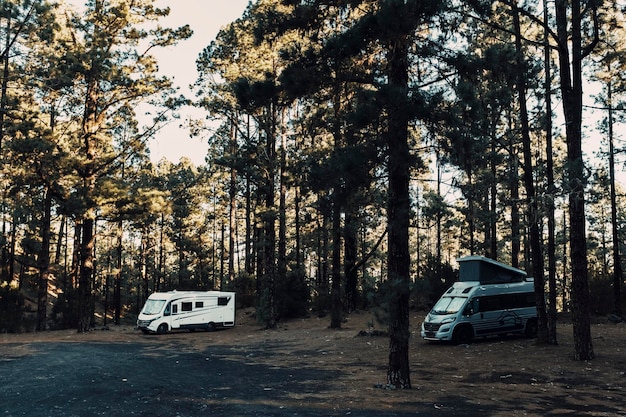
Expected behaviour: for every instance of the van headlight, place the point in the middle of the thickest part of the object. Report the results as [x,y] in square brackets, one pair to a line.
[448,320]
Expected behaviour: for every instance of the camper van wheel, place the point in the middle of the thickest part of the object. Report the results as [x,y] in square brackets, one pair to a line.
[210,327]
[162,329]
[531,328]
[462,335]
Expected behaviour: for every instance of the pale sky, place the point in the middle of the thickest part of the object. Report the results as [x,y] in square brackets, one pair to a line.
[206,18]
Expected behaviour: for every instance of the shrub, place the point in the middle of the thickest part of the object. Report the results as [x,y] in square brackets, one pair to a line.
[11,309]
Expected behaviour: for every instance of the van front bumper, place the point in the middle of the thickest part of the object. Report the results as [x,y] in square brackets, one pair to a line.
[436,331]
[147,325]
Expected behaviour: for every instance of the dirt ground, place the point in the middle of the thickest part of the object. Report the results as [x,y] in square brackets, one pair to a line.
[303,368]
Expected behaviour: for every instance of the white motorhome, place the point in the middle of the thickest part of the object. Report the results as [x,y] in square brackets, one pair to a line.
[480,305]
[191,310]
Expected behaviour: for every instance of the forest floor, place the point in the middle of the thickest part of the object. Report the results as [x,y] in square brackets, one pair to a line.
[303,368]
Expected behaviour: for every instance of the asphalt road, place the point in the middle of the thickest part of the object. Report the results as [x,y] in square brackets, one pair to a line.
[113,379]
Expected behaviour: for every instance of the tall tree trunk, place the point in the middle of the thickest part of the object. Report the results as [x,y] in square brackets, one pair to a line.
[267,248]
[335,291]
[514,187]
[5,276]
[282,210]
[398,212]
[551,248]
[532,209]
[86,272]
[117,286]
[618,277]
[571,91]
[297,232]
[232,206]
[493,203]
[249,261]
[44,262]
[350,254]
[90,124]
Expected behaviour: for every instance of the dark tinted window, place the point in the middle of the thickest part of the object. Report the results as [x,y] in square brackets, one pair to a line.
[186,306]
[507,301]
[222,301]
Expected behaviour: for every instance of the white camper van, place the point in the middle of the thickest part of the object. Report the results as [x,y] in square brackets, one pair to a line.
[483,306]
[190,310]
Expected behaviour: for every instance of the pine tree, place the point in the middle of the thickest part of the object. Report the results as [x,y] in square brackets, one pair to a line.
[111,77]
[570,18]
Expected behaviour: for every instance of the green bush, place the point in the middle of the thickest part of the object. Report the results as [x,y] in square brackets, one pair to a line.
[435,278]
[244,285]
[11,309]
[65,310]
[293,296]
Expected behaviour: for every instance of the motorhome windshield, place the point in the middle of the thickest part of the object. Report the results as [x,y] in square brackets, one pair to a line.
[153,307]
[448,305]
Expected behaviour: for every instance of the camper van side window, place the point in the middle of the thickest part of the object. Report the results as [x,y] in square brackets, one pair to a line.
[199,304]
[168,311]
[491,303]
[175,309]
[186,306]
[222,301]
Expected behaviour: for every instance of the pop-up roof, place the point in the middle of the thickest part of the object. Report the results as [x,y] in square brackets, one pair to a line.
[488,271]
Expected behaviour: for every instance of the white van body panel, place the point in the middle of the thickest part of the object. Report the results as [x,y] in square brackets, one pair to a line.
[164,311]
[470,309]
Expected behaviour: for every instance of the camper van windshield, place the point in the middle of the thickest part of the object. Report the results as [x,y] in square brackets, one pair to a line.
[448,305]
[153,307]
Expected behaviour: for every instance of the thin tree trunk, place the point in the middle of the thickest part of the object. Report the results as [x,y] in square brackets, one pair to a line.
[5,275]
[618,277]
[232,207]
[335,291]
[350,254]
[117,286]
[44,262]
[514,187]
[282,211]
[533,215]
[86,272]
[493,204]
[552,295]
[571,90]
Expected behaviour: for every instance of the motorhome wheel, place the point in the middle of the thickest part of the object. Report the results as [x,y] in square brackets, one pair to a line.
[531,328]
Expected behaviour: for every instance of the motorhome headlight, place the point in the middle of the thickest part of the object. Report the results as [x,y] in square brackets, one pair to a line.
[448,320]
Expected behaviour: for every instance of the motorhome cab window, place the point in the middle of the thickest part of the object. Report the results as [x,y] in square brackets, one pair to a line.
[186,306]
[449,305]
[153,307]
